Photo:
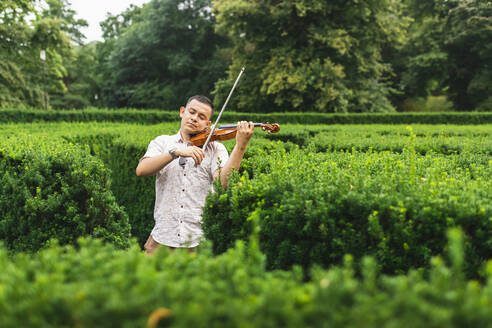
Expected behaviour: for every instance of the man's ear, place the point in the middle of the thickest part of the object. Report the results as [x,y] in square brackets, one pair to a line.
[181,111]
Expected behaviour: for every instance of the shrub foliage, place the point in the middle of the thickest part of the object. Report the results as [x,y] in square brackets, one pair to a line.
[316,207]
[97,285]
[53,189]
[159,116]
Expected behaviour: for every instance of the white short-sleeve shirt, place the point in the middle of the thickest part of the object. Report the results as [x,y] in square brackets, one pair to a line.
[181,191]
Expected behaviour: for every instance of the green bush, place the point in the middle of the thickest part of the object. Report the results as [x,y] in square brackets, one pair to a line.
[53,189]
[316,207]
[120,145]
[159,116]
[97,285]
[443,144]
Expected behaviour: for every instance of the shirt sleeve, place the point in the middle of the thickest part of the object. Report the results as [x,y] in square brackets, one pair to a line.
[221,156]
[156,147]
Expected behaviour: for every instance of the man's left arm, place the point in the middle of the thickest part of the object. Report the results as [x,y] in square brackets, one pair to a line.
[244,132]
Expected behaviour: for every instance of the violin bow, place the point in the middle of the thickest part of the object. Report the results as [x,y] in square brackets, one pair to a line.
[222,110]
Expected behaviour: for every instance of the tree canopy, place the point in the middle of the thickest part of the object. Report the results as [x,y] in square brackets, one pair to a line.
[311,55]
[302,55]
[167,55]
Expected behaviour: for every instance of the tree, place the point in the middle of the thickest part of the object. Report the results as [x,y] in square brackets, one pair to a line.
[16,89]
[447,53]
[309,55]
[168,54]
[114,25]
[73,88]
[60,9]
[467,42]
[81,81]
[420,65]
[21,70]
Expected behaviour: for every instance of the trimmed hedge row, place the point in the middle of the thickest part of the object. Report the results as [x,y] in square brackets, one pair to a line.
[53,189]
[96,285]
[120,145]
[316,207]
[158,116]
[324,142]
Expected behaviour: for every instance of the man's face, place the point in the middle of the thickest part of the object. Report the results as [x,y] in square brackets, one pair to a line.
[195,117]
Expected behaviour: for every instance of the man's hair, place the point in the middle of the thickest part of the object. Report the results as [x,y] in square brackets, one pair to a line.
[203,100]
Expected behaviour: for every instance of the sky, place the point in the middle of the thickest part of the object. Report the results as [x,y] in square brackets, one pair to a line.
[94,12]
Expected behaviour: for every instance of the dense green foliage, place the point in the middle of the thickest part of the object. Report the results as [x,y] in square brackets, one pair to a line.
[168,55]
[81,82]
[98,285]
[303,199]
[447,54]
[22,73]
[314,56]
[158,116]
[447,140]
[394,207]
[120,146]
[309,55]
[52,189]
[467,41]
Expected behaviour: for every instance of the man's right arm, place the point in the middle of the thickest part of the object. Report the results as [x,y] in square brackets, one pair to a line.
[152,165]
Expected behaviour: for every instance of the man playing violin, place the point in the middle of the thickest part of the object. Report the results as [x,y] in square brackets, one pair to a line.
[182,185]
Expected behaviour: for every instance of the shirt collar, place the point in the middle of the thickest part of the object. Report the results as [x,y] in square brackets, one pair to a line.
[178,138]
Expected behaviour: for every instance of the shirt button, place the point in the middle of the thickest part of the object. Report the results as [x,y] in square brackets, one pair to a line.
[178,234]
[183,190]
[185,174]
[181,206]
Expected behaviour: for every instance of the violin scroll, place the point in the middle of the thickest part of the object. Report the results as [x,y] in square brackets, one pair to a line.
[271,128]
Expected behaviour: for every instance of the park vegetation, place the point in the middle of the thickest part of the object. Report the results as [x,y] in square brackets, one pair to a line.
[310,56]
[373,218]
[337,224]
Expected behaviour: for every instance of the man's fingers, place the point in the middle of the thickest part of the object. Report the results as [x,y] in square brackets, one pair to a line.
[195,157]
[244,126]
[198,155]
[194,152]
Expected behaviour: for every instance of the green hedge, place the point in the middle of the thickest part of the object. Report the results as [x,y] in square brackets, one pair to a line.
[316,207]
[442,139]
[53,189]
[121,154]
[97,285]
[120,145]
[158,116]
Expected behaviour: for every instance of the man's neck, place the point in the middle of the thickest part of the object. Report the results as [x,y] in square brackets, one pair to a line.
[185,137]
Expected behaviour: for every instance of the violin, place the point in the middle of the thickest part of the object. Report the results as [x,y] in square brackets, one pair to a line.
[226,132]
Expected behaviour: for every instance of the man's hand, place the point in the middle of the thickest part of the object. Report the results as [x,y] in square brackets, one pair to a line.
[192,151]
[244,133]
